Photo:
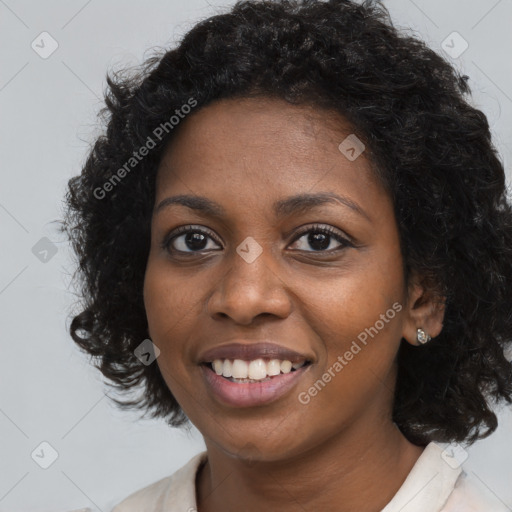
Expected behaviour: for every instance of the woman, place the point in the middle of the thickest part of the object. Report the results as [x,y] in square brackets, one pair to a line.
[295,235]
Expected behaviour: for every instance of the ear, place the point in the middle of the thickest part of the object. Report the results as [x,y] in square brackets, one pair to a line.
[424,310]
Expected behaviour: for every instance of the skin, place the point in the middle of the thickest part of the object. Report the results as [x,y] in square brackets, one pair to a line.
[341,451]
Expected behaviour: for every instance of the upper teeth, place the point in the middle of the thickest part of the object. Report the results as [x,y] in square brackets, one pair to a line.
[257,369]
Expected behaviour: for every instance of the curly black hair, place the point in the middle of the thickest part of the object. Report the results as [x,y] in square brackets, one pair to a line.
[431,149]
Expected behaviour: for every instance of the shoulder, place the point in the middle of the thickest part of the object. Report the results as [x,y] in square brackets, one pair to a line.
[439,483]
[470,494]
[175,492]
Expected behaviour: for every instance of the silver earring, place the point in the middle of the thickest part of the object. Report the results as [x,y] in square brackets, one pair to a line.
[422,337]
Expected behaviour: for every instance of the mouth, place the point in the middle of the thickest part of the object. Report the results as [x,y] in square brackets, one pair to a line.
[257,370]
[232,382]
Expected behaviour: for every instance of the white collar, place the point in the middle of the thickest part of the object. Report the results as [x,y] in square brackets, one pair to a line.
[426,488]
[429,483]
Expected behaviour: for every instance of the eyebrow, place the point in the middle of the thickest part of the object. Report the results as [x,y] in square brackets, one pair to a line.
[284,207]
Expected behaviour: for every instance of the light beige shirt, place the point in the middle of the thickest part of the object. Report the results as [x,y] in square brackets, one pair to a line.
[436,483]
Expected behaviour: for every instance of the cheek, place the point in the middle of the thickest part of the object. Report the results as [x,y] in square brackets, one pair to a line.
[171,309]
[168,304]
[358,326]
[363,306]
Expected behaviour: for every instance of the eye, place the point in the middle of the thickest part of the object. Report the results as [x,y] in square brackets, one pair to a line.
[192,239]
[320,239]
[188,239]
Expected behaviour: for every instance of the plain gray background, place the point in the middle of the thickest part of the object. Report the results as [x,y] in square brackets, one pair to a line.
[49,392]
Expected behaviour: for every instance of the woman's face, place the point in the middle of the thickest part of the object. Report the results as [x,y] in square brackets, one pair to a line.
[254,273]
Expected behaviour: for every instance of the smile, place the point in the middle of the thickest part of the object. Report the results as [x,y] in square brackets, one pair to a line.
[255,370]
[241,383]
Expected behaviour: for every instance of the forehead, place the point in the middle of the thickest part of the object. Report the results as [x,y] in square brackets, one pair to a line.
[260,122]
[254,148]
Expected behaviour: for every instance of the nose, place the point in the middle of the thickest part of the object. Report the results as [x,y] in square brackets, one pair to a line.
[248,290]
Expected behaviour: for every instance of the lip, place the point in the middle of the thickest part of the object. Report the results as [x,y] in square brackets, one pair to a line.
[251,394]
[249,351]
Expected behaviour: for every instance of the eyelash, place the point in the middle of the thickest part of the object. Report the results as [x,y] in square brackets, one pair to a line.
[316,228]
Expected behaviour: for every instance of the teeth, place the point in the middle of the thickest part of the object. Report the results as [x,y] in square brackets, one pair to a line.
[227,368]
[286,366]
[274,367]
[257,369]
[240,369]
[217,366]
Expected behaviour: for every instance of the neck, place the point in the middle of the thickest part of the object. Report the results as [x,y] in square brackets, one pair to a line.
[357,470]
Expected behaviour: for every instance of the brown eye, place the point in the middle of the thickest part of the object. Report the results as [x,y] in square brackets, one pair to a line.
[189,239]
[320,239]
